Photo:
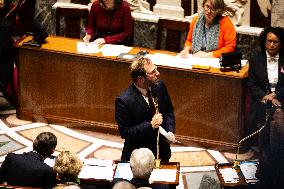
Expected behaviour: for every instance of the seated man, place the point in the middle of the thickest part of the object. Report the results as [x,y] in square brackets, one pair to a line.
[29,169]
[142,163]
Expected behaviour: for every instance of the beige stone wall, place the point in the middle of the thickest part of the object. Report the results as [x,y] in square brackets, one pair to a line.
[277,13]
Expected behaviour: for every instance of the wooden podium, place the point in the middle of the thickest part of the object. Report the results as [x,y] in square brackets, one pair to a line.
[240,181]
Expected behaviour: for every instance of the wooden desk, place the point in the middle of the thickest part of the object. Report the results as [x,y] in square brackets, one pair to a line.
[57,83]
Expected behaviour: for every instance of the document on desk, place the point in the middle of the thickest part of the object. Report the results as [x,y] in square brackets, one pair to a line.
[229,175]
[249,169]
[123,170]
[166,175]
[90,48]
[97,172]
[186,63]
[114,50]
[198,61]
[98,162]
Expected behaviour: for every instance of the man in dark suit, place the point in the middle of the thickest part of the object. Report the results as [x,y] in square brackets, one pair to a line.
[29,169]
[266,81]
[137,122]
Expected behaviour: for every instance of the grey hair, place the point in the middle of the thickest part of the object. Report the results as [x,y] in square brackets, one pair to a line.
[142,162]
[123,185]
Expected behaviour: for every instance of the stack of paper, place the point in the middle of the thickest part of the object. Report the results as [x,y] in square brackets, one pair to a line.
[249,169]
[229,175]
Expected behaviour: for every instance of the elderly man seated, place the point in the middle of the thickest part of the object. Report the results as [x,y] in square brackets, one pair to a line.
[142,163]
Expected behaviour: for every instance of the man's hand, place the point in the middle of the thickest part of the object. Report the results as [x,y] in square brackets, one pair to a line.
[172,137]
[157,120]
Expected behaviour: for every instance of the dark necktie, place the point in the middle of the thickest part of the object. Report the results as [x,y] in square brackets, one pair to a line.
[151,103]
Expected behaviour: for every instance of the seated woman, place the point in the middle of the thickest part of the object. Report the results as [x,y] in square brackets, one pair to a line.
[210,33]
[110,22]
[67,166]
[266,82]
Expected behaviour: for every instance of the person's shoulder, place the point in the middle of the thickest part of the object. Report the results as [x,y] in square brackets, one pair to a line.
[226,20]
[127,92]
[125,5]
[13,155]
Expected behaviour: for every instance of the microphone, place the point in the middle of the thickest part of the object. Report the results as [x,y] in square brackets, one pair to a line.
[269,111]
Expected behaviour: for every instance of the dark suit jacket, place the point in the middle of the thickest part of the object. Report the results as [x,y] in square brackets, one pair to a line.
[27,169]
[133,116]
[258,77]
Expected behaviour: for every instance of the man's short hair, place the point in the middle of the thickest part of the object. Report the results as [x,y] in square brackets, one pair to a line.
[123,185]
[137,67]
[142,162]
[45,143]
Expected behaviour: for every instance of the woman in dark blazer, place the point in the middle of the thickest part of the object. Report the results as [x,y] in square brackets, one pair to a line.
[266,82]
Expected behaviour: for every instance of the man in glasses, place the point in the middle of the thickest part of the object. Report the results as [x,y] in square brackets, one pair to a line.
[142,108]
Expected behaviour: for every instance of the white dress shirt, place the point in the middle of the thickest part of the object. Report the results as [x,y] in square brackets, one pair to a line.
[272,70]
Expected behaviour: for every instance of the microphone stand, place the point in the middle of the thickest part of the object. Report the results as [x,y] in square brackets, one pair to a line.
[157,160]
[236,161]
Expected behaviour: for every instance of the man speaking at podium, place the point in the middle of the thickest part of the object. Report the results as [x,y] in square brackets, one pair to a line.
[137,116]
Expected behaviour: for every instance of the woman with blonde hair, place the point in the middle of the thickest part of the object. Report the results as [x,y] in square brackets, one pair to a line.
[67,166]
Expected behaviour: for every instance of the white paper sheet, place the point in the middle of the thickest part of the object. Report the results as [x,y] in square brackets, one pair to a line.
[166,175]
[229,175]
[97,172]
[249,169]
[98,162]
[114,50]
[90,48]
[123,170]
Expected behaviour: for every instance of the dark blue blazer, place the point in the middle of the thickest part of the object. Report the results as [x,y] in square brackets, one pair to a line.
[27,169]
[133,116]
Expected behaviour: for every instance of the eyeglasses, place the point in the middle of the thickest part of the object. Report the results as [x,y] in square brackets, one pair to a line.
[209,8]
[271,42]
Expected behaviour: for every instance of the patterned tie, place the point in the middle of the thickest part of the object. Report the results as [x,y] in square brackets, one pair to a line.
[151,102]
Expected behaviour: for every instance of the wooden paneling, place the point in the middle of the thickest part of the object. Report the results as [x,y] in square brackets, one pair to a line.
[61,85]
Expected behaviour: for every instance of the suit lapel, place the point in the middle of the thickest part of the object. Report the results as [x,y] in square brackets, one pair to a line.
[141,102]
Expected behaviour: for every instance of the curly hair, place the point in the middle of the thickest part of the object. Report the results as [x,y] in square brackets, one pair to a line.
[67,166]
[278,31]
[137,67]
